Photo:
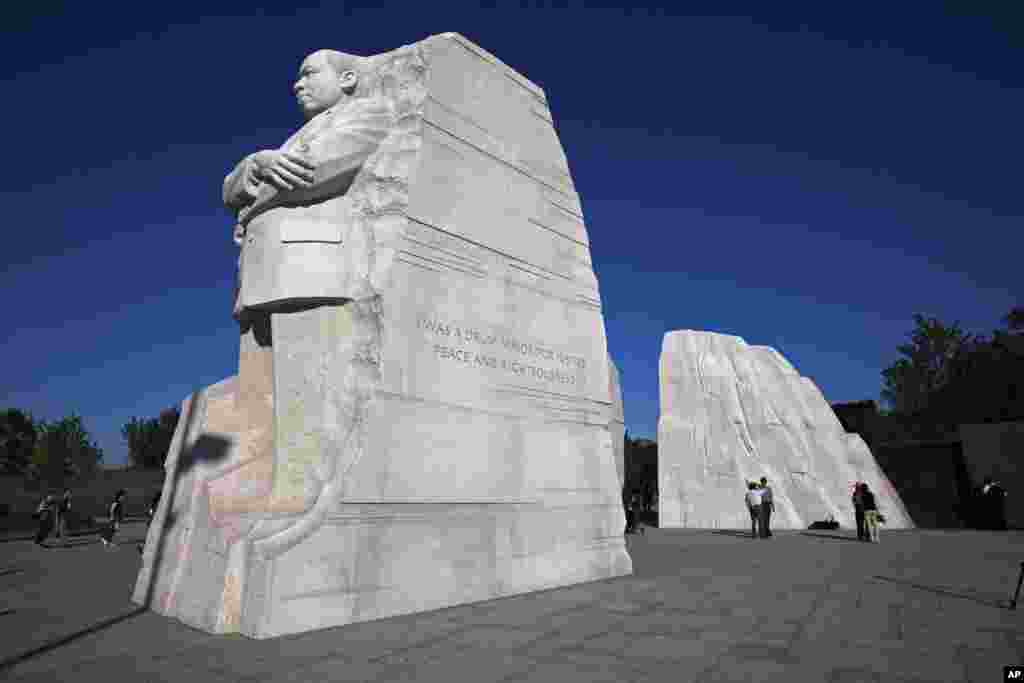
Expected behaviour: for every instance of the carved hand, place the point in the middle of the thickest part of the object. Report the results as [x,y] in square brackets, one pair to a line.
[284,170]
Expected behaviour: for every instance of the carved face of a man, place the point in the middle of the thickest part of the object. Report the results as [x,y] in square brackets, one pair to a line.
[320,85]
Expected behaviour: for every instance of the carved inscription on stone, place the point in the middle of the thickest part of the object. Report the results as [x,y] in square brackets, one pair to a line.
[482,348]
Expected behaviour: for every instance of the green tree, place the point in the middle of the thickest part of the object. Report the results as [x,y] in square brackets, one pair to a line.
[926,367]
[948,377]
[986,381]
[150,439]
[64,448]
[17,440]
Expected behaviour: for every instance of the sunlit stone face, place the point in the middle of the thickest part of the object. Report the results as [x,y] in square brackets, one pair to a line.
[319,85]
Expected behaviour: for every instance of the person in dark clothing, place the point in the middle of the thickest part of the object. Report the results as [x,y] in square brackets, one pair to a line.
[993,505]
[767,506]
[872,518]
[63,512]
[45,513]
[116,513]
[154,504]
[636,507]
[150,514]
[858,511]
[627,503]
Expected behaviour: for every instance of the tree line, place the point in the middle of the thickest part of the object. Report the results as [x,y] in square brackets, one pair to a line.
[947,376]
[62,449]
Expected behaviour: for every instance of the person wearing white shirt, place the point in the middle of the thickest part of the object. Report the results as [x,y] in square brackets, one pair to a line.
[753,499]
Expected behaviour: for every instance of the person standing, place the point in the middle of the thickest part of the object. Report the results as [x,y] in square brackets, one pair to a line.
[767,507]
[150,515]
[998,494]
[116,514]
[63,512]
[153,505]
[871,515]
[637,509]
[45,514]
[753,500]
[627,504]
[993,498]
[858,511]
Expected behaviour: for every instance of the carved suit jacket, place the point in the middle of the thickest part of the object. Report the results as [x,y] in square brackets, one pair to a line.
[292,242]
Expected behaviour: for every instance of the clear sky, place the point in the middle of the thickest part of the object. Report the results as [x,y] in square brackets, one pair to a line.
[802,178]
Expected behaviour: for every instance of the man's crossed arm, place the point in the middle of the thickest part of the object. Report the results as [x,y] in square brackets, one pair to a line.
[324,169]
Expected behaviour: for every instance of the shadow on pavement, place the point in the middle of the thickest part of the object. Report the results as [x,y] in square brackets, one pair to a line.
[1001,604]
[31,535]
[60,545]
[54,644]
[811,534]
[205,449]
[732,532]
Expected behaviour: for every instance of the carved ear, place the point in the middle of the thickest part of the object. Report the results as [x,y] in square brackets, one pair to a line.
[349,79]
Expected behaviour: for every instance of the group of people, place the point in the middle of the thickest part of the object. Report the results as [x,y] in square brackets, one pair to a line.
[761,504]
[53,515]
[865,509]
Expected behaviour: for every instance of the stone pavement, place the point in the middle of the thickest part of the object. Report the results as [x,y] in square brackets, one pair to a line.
[703,606]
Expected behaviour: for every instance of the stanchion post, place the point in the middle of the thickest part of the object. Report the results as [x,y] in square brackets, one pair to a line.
[1016,593]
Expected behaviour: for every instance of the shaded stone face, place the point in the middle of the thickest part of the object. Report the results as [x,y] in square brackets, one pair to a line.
[424,410]
[732,414]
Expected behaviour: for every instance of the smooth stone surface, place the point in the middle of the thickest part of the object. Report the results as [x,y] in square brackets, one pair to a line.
[444,429]
[733,413]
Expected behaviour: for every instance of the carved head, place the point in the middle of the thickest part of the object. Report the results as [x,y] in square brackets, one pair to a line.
[326,77]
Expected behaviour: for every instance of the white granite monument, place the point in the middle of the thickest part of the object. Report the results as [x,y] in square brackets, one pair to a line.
[733,413]
[423,414]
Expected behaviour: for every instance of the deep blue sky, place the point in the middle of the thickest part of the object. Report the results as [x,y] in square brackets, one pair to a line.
[805,180]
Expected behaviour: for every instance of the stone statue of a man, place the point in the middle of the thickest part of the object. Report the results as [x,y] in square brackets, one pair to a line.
[290,202]
[350,471]
[308,331]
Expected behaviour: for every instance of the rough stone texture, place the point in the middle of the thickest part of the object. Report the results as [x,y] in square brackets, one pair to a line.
[617,425]
[732,413]
[456,439]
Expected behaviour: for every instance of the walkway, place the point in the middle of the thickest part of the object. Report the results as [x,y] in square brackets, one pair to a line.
[702,606]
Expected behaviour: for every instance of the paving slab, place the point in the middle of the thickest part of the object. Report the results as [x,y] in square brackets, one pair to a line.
[702,606]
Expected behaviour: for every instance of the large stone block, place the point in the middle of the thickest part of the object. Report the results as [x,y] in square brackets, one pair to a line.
[455,437]
[733,413]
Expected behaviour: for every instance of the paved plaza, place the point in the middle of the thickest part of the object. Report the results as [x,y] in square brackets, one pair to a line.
[702,606]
